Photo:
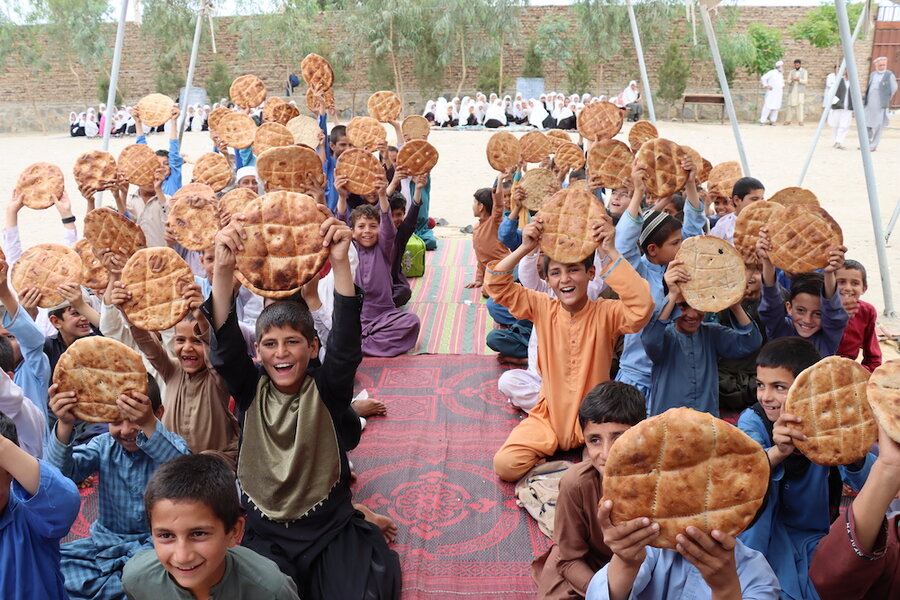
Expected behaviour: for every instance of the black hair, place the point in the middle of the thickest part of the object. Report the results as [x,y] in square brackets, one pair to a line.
[613,402]
[857,266]
[7,355]
[484,197]
[153,393]
[669,226]
[392,149]
[797,60]
[792,353]
[286,314]
[59,312]
[678,201]
[364,211]
[587,262]
[397,201]
[337,132]
[577,175]
[8,428]
[807,283]
[199,478]
[745,185]
[162,153]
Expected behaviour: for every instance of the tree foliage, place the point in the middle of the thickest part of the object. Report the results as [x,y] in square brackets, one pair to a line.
[533,65]
[218,83]
[820,27]
[673,73]
[768,48]
[735,48]
[171,23]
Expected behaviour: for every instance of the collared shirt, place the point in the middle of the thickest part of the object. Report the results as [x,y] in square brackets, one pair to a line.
[150,216]
[773,316]
[860,334]
[33,373]
[30,530]
[724,227]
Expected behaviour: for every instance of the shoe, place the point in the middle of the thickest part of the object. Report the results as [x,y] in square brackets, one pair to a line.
[466,229]
[441,222]
[787,123]
[431,223]
[841,147]
[800,123]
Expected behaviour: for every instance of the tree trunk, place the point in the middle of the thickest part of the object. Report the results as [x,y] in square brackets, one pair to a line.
[600,79]
[500,71]
[462,55]
[77,79]
[398,80]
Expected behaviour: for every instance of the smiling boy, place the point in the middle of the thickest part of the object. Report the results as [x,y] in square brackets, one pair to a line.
[859,334]
[745,192]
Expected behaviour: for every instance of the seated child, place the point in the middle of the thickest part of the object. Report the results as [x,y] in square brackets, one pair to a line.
[405,223]
[685,350]
[30,422]
[37,507]
[737,383]
[488,209]
[859,334]
[859,559]
[578,551]
[813,311]
[803,497]
[125,458]
[197,523]
[745,192]
[576,337]
[196,398]
[299,511]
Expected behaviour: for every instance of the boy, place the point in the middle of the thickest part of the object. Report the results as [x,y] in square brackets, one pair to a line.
[405,223]
[338,143]
[685,350]
[30,422]
[197,523]
[37,507]
[299,511]
[576,337]
[578,551]
[803,497]
[488,209]
[860,330]
[125,458]
[813,311]
[745,192]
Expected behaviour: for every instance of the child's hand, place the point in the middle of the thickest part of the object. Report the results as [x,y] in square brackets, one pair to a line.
[340,184]
[713,555]
[29,298]
[380,186]
[336,236]
[604,232]
[401,173]
[191,292]
[136,407]
[835,259]
[518,197]
[63,205]
[687,163]
[112,262]
[15,202]
[628,540]
[313,191]
[119,294]
[783,434]
[531,234]
[61,404]
[230,241]
[474,284]
[135,113]
[71,293]
[675,275]
[763,244]
[638,172]
[4,273]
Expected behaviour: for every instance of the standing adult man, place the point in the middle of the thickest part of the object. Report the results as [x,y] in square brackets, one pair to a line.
[797,93]
[882,87]
[773,82]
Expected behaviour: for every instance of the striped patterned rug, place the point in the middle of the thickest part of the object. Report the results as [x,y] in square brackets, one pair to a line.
[454,319]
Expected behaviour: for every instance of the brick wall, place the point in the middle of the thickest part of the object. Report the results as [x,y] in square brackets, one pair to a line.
[29,102]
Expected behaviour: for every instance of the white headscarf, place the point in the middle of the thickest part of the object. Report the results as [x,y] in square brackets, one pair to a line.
[91,126]
[629,95]
[537,113]
[429,108]
[440,111]
[73,118]
[562,111]
[518,111]
[479,111]
[496,111]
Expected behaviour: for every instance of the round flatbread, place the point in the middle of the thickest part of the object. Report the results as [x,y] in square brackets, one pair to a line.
[99,370]
[237,130]
[248,91]
[317,72]
[366,133]
[747,225]
[40,185]
[699,167]
[718,275]
[45,267]
[194,217]
[234,201]
[283,249]
[830,399]
[271,135]
[290,168]
[415,127]
[569,156]
[418,157]
[384,106]
[723,176]
[215,116]
[503,151]
[319,102]
[883,392]
[305,131]
[556,137]
[801,236]
[155,109]
[156,278]
[539,184]
[95,170]
[609,162]
[600,121]
[138,163]
[794,195]
[664,175]
[105,228]
[214,170]
[640,132]
[93,274]
[535,146]
[569,216]
[362,170]
[277,110]
[686,468]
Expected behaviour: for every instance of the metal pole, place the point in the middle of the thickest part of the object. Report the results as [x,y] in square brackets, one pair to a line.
[827,101]
[640,54]
[892,222]
[113,83]
[190,74]
[723,83]
[862,132]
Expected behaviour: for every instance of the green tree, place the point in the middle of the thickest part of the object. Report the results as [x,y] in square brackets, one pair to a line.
[820,28]
[489,74]
[599,28]
[503,27]
[736,49]
[218,83]
[103,88]
[579,76]
[171,23]
[455,25]
[533,65]
[288,31]
[673,73]
[768,48]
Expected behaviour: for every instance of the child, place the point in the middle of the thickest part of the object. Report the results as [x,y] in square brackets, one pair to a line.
[73,320]
[685,350]
[338,143]
[745,192]
[859,334]
[405,223]
[196,396]
[37,507]
[813,311]
[803,497]
[578,551]
[299,509]
[125,458]
[722,206]
[30,422]
[488,209]
[197,523]
[576,337]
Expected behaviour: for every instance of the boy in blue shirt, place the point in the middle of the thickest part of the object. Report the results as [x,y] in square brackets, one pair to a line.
[37,507]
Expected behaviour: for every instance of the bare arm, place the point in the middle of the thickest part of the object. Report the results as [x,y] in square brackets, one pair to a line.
[23,467]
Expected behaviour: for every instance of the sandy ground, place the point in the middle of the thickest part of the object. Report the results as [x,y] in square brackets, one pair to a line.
[776,155]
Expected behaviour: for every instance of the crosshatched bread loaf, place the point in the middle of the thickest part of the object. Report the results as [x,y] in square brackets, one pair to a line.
[794,195]
[569,156]
[94,170]
[277,110]
[503,151]
[418,156]
[155,109]
[40,185]
[640,132]
[248,91]
[539,185]
[556,137]
[384,106]
[535,146]
[600,121]
[318,102]
[569,216]
[234,201]
[214,170]
[105,228]
[362,170]
[664,175]
[317,72]
[93,274]
[747,225]
[138,164]
[237,130]
[215,116]
[830,398]
[99,369]
[698,162]
[801,236]
[718,275]
[156,278]
[686,468]
[305,130]
[289,168]
[723,176]
[194,217]
[45,267]
[415,127]
[283,249]
[366,133]
[271,135]
[609,161]
[883,392]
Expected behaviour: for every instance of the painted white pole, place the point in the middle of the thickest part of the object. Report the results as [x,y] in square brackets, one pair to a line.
[113,83]
[191,66]
[640,54]
[863,133]
[726,92]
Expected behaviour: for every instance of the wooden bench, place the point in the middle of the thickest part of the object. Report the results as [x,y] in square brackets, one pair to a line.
[703,99]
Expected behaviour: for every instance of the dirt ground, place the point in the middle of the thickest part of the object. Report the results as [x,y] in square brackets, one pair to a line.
[776,155]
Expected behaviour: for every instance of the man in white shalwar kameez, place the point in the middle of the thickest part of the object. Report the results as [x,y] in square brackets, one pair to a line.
[773,81]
